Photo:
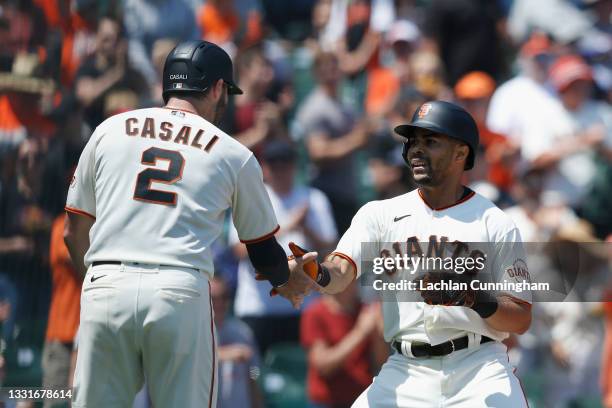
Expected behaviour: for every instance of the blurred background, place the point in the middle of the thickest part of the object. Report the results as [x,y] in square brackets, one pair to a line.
[325,82]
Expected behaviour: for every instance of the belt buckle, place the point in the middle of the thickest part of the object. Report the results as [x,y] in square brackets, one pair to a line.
[452,345]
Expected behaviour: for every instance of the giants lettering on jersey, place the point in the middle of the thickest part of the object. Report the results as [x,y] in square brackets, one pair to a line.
[519,270]
[435,248]
[165,132]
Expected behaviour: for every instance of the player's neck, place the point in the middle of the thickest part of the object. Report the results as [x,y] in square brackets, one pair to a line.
[188,106]
[181,104]
[442,196]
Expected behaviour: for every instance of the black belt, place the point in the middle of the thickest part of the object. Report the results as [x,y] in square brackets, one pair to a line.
[96,263]
[427,350]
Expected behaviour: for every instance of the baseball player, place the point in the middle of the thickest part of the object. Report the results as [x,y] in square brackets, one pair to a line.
[448,350]
[147,200]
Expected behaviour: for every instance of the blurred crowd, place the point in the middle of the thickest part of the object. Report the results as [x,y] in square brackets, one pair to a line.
[325,82]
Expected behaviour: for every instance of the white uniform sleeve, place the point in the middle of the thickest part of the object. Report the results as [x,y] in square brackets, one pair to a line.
[510,264]
[81,194]
[252,210]
[360,240]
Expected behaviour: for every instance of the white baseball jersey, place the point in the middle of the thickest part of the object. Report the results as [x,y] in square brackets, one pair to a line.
[409,219]
[158,183]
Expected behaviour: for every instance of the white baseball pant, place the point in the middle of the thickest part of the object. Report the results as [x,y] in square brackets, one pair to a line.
[470,378]
[145,321]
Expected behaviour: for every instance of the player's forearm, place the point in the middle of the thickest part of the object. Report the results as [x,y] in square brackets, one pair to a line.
[511,316]
[341,274]
[269,259]
[76,237]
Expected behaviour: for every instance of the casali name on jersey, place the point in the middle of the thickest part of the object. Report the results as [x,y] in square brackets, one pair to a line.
[166,132]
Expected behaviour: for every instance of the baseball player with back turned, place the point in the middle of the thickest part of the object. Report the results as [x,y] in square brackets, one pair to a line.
[448,350]
[148,199]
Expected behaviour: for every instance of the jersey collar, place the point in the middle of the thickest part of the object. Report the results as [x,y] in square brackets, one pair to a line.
[468,193]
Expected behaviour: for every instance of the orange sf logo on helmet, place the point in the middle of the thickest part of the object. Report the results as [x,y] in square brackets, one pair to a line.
[424,110]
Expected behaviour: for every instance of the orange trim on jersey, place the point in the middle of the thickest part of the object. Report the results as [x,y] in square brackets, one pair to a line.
[80,212]
[212,332]
[349,259]
[263,238]
[517,300]
[464,199]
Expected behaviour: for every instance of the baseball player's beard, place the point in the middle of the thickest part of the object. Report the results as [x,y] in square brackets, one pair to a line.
[423,180]
[424,175]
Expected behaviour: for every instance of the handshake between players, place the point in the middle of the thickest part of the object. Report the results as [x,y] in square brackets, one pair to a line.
[307,274]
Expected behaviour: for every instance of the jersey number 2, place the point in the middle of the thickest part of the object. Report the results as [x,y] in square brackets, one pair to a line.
[143,190]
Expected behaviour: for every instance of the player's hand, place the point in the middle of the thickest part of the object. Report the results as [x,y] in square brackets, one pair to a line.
[302,261]
[446,297]
[299,284]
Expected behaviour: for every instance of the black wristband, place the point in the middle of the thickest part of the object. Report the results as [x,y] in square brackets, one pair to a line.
[279,278]
[486,304]
[269,259]
[323,277]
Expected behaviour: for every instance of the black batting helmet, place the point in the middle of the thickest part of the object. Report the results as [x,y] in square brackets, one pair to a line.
[193,66]
[445,118]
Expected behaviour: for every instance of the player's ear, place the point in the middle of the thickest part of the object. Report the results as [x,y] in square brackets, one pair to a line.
[462,151]
[218,89]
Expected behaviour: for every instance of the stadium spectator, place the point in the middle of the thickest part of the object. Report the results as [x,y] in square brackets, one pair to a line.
[72,35]
[289,20]
[576,329]
[257,115]
[345,347]
[147,21]
[23,29]
[474,91]
[586,170]
[524,110]
[355,31]
[304,216]
[161,49]
[229,26]
[108,70]
[465,33]
[238,357]
[332,135]
[518,107]
[23,94]
[545,15]
[386,82]
[64,312]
